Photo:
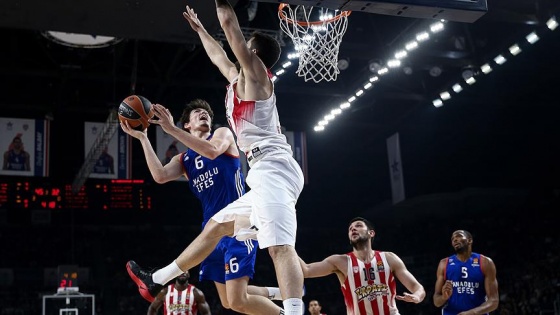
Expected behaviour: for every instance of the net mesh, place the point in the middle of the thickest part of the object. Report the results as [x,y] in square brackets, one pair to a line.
[316,33]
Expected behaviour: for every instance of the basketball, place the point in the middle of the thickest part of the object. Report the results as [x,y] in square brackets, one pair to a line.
[136,110]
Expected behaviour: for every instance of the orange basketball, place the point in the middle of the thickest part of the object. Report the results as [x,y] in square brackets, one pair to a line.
[136,110]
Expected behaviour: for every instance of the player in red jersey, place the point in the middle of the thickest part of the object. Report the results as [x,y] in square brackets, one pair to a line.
[180,298]
[367,276]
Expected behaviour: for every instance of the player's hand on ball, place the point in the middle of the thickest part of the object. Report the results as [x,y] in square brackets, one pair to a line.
[132,132]
[165,119]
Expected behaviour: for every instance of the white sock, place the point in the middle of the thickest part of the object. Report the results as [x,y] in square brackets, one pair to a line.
[166,274]
[293,306]
[274,293]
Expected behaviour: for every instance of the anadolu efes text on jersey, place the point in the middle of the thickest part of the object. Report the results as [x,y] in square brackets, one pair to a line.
[205,180]
[255,123]
[468,283]
[214,182]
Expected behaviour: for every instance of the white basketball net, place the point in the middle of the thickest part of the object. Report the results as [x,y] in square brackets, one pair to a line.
[316,33]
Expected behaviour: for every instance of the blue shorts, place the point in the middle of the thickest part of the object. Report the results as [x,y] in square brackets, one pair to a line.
[231,259]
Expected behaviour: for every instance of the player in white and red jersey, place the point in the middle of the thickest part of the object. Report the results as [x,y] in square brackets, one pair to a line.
[367,276]
[275,178]
[180,298]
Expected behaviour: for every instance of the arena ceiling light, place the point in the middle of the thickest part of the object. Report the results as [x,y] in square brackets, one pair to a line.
[552,24]
[399,55]
[76,40]
[457,88]
[469,74]
[437,102]
[500,59]
[485,68]
[532,38]
[514,50]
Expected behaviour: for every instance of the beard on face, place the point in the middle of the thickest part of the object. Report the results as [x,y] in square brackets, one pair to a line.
[359,241]
[461,249]
[182,280]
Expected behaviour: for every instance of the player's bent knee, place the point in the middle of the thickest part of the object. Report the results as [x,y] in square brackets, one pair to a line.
[215,229]
[238,303]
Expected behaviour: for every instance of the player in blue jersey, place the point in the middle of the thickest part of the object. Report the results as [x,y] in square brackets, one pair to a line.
[466,282]
[215,178]
[16,158]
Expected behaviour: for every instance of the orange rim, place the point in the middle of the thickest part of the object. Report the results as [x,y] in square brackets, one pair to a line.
[284,16]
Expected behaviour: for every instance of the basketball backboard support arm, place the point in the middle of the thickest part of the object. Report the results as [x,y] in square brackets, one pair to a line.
[451,10]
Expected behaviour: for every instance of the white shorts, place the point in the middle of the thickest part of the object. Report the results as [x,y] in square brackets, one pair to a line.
[276,182]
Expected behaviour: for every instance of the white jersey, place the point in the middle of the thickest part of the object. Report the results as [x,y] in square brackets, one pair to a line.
[370,287]
[180,302]
[255,123]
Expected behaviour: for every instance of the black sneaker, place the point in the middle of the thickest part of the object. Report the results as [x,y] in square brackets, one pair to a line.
[143,279]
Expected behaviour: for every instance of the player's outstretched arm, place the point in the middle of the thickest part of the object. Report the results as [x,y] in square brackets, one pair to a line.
[213,49]
[220,142]
[252,66]
[398,267]
[329,265]
[161,174]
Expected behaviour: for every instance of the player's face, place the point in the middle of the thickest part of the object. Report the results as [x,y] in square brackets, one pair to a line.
[314,307]
[17,144]
[358,232]
[182,279]
[459,241]
[200,118]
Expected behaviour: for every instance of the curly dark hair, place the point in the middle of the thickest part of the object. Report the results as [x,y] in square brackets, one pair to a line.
[192,105]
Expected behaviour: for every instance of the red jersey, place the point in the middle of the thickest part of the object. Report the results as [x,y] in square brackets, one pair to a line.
[180,302]
[370,287]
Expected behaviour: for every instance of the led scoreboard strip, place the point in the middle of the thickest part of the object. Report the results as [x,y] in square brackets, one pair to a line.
[95,194]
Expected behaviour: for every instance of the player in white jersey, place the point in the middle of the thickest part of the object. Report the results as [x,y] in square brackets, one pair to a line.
[367,276]
[180,298]
[275,178]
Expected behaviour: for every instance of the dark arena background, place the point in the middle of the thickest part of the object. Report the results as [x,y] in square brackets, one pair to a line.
[475,107]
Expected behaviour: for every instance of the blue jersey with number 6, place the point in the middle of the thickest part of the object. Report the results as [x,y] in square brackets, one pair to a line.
[217,183]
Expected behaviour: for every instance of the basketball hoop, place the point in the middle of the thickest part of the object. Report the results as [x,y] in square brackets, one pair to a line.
[316,33]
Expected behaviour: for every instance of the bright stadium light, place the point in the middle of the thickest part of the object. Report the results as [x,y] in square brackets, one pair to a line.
[552,24]
[515,50]
[423,36]
[485,68]
[436,27]
[437,102]
[344,105]
[532,38]
[457,88]
[445,96]
[411,45]
[500,59]
[400,54]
